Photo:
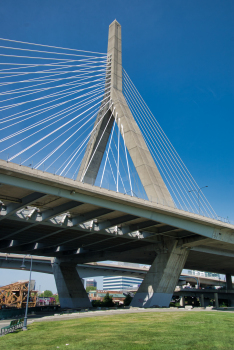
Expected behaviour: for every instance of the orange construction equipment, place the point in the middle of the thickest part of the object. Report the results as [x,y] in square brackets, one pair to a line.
[15,295]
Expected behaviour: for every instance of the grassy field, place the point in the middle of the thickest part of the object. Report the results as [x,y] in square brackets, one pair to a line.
[144,331]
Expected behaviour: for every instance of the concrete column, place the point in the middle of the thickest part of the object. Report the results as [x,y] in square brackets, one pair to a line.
[228,281]
[70,287]
[182,301]
[160,282]
[216,298]
[201,298]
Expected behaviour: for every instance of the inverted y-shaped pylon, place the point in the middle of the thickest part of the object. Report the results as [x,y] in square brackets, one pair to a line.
[117,109]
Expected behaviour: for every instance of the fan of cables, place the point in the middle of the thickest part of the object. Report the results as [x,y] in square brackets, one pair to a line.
[49,100]
[186,193]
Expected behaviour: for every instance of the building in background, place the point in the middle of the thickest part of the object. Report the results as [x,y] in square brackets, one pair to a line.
[204,274]
[121,283]
[117,296]
[91,283]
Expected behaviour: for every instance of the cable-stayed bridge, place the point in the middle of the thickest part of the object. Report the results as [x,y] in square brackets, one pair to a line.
[87,174]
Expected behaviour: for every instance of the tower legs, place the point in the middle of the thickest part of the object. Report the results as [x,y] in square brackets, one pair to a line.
[70,287]
[159,283]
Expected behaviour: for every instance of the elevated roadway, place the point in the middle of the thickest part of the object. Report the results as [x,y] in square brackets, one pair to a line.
[44,265]
[48,215]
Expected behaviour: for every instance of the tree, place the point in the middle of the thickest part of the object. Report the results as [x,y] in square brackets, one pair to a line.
[96,303]
[56,297]
[89,288]
[47,294]
[127,300]
[107,300]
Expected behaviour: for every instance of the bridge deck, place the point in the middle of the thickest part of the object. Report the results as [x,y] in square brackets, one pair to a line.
[45,214]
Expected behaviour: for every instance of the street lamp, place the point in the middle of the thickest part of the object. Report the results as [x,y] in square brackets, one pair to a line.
[198,192]
[23,267]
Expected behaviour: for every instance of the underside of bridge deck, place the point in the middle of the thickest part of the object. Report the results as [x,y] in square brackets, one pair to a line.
[44,214]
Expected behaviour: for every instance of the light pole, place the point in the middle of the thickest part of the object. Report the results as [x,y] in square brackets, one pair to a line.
[26,310]
[198,192]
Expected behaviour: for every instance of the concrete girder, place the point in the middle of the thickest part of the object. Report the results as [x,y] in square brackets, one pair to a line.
[114,222]
[45,215]
[189,242]
[39,248]
[14,207]
[208,250]
[125,230]
[90,216]
[148,251]
[194,223]
[139,226]
[51,213]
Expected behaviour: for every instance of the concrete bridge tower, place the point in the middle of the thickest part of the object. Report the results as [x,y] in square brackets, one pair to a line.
[145,166]
[159,283]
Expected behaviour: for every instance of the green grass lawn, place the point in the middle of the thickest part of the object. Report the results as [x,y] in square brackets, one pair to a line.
[143,331]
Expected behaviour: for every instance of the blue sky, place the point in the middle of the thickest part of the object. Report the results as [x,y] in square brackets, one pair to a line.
[179,54]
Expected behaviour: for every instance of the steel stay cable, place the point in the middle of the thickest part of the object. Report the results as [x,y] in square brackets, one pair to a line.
[65,151]
[18,91]
[74,85]
[117,170]
[54,140]
[187,173]
[60,65]
[97,90]
[58,147]
[100,96]
[97,144]
[55,47]
[112,171]
[100,109]
[173,169]
[45,58]
[36,132]
[79,78]
[168,165]
[86,67]
[71,109]
[79,104]
[35,143]
[84,141]
[56,69]
[127,160]
[159,159]
[3,108]
[93,115]
[29,101]
[53,72]
[39,79]
[194,203]
[30,109]
[107,153]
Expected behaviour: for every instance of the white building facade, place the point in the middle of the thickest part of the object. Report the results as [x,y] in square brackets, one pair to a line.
[121,283]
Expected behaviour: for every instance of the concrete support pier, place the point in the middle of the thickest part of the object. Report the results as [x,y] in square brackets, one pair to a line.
[160,282]
[69,285]
[202,301]
[182,301]
[229,288]
[216,298]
